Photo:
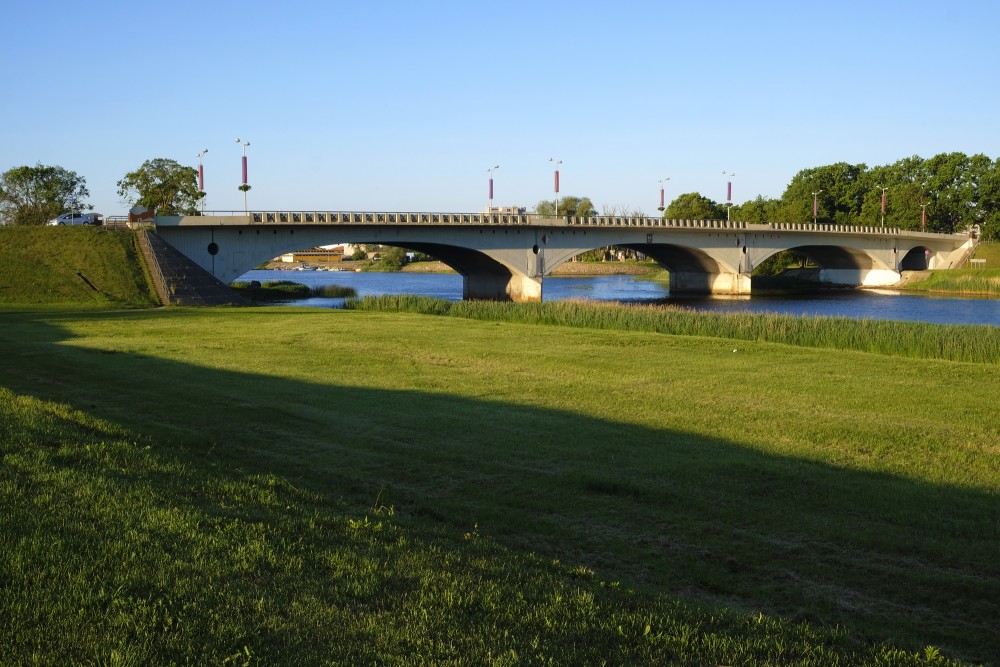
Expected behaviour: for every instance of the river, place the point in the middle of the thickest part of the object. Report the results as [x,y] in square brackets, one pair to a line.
[860,304]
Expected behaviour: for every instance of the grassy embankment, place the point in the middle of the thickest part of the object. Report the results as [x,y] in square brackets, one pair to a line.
[977,282]
[265,486]
[74,266]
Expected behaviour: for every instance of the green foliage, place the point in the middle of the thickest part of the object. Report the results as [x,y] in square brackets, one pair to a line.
[86,266]
[780,262]
[286,290]
[693,206]
[334,291]
[34,195]
[958,190]
[164,186]
[393,259]
[568,206]
[759,210]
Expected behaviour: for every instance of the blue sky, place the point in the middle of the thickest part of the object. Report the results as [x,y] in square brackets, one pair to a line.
[404,105]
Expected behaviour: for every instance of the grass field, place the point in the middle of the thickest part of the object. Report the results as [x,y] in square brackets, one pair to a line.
[276,486]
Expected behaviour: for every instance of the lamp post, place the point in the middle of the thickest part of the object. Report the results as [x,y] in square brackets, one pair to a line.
[879,187]
[662,204]
[923,217]
[491,170]
[244,187]
[815,204]
[201,180]
[557,163]
[729,191]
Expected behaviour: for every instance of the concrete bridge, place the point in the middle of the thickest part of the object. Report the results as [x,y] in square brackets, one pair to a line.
[506,256]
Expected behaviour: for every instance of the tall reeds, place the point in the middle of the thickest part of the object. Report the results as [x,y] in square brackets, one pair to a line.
[920,340]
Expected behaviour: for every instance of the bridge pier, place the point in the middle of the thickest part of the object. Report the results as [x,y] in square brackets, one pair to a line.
[697,282]
[859,277]
[495,287]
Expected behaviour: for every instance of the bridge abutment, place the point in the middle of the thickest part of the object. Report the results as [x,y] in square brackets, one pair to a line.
[696,282]
[493,287]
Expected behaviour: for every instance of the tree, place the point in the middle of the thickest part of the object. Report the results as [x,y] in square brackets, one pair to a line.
[693,206]
[393,259]
[759,210]
[164,186]
[840,194]
[33,195]
[573,206]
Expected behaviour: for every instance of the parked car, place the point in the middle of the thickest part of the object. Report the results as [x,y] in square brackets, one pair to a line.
[77,219]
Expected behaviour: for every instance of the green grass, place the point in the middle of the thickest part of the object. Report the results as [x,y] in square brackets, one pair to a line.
[265,486]
[990,252]
[978,282]
[83,266]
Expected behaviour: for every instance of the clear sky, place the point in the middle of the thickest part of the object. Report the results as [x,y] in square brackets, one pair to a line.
[405,105]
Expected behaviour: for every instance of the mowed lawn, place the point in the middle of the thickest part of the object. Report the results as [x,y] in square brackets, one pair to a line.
[856,493]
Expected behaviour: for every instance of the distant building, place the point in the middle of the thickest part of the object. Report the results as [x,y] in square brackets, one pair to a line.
[321,254]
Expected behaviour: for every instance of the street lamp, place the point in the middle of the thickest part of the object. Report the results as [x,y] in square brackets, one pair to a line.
[879,187]
[729,191]
[662,205]
[201,180]
[244,187]
[557,163]
[923,217]
[815,204]
[491,170]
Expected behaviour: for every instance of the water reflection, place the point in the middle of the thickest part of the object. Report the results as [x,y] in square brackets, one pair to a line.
[861,304]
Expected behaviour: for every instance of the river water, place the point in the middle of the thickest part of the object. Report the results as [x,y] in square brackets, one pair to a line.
[860,304]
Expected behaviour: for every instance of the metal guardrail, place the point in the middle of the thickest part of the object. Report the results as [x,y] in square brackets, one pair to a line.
[156,273]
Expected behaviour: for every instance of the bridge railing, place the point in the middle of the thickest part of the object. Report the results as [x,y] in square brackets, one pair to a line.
[432,218]
[626,221]
[389,218]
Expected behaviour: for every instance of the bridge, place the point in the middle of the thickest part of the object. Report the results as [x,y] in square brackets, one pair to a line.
[506,256]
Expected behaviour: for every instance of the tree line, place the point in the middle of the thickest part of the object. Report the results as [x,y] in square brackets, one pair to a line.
[944,193]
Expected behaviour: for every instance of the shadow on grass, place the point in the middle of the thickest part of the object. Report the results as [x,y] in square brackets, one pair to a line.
[671,513]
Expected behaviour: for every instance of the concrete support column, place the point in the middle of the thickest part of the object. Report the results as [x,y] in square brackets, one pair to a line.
[694,282]
[496,287]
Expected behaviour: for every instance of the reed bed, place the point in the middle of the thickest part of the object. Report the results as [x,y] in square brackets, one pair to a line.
[969,343]
[283,290]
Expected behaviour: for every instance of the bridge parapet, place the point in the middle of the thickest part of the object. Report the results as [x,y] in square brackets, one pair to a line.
[845,229]
[626,221]
[388,218]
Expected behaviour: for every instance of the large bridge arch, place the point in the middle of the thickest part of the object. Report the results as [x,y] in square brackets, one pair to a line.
[484,276]
[694,270]
[841,263]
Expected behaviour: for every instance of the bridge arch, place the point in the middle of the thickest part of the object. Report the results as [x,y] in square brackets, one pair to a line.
[916,259]
[484,276]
